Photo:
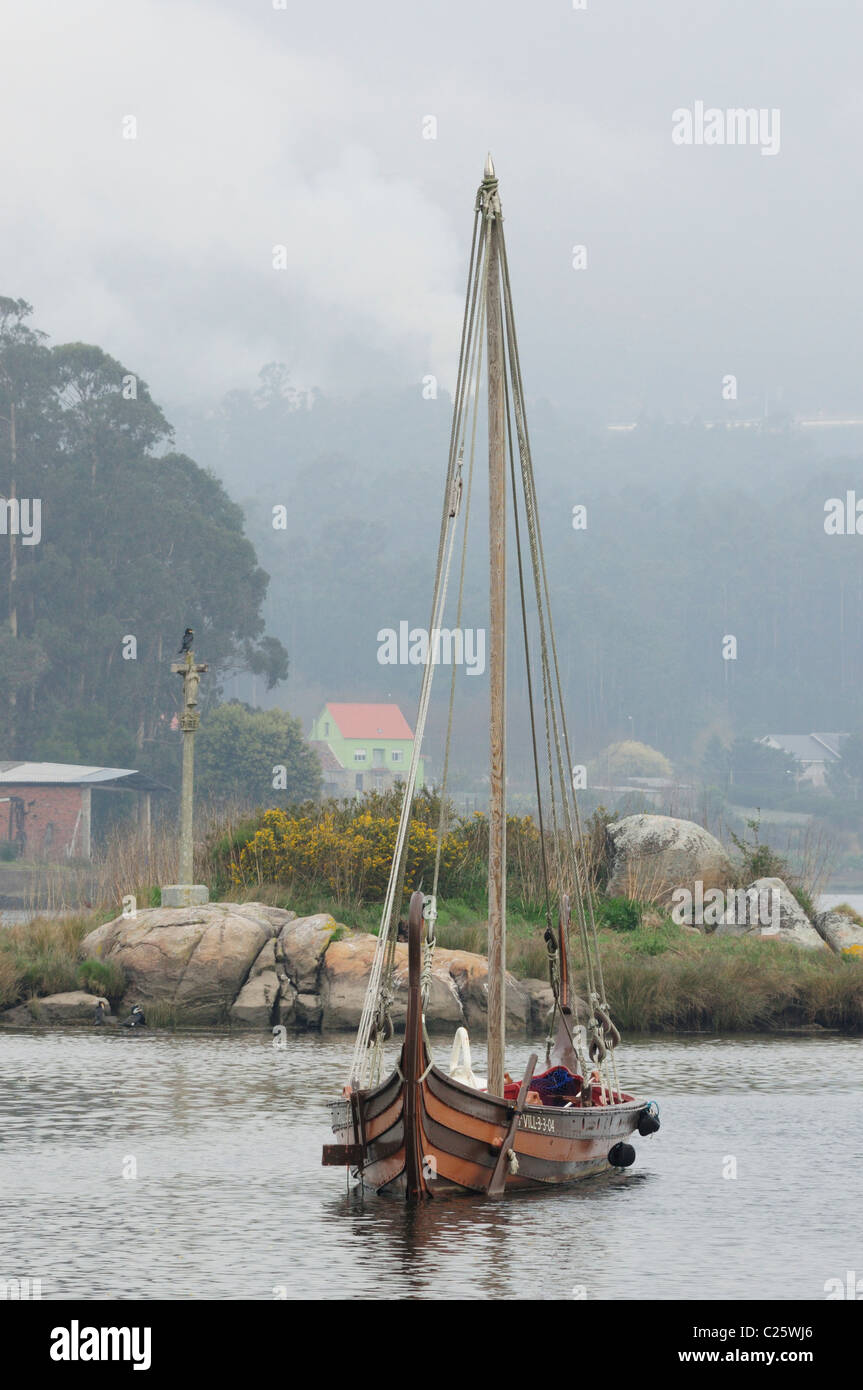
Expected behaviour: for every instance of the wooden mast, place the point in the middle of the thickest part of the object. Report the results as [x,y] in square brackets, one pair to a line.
[497,648]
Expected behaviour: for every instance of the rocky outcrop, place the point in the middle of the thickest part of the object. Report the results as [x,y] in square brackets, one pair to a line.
[469,974]
[346,969]
[196,959]
[258,967]
[75,1006]
[540,999]
[345,973]
[842,934]
[769,910]
[256,1002]
[652,855]
[250,963]
[300,948]
[458,990]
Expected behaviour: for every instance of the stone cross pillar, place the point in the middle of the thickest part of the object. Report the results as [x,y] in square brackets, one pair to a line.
[186,893]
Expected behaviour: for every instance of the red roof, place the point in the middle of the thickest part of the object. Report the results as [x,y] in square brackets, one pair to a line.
[370,721]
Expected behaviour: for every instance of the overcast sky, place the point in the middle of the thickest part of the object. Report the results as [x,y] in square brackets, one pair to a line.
[303,126]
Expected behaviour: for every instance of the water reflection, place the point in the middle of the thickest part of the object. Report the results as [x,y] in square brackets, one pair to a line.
[230,1200]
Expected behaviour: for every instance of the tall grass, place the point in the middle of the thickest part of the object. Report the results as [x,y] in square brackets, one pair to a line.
[42,957]
[659,977]
[667,979]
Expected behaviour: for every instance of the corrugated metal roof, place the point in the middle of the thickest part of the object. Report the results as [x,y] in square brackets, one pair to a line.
[74,775]
[807,748]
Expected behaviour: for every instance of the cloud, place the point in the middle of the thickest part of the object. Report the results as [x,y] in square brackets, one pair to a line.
[160,248]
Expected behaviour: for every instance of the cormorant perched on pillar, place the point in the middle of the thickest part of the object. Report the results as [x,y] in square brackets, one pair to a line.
[188,639]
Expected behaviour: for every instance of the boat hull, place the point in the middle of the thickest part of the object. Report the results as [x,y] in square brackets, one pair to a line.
[421,1132]
[453,1139]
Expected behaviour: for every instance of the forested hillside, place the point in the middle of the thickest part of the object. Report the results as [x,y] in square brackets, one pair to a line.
[114,544]
[690,536]
[693,535]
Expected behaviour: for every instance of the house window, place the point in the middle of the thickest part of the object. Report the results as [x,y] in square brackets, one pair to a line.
[359,755]
[397,755]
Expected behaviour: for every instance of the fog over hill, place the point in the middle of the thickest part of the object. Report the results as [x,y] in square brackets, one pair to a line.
[205,195]
[692,534]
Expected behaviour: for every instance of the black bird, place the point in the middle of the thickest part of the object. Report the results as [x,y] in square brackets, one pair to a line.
[99,1012]
[188,639]
[136,1018]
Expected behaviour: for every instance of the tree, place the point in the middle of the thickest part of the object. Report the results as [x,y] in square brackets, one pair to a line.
[758,772]
[716,762]
[846,777]
[136,544]
[632,759]
[258,757]
[24,432]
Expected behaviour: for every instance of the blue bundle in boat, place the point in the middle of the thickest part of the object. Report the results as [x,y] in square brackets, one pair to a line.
[556,1085]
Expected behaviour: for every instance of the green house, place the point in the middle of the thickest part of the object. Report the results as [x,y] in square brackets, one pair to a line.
[362,747]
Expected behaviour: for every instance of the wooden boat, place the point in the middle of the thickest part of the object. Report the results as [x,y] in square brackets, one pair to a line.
[421,1131]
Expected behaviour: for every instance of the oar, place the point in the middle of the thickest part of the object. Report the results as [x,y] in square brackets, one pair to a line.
[498,1177]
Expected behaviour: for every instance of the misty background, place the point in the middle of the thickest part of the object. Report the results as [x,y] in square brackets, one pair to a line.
[306,386]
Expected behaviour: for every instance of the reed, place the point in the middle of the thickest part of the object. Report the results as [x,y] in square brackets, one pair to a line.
[666,979]
[43,957]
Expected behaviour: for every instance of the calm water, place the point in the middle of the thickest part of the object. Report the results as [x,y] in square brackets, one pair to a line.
[230,1200]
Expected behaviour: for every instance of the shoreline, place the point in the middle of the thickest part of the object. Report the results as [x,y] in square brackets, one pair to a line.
[440,1035]
[251,966]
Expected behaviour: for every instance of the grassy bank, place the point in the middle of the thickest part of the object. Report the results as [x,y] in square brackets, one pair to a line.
[660,978]
[42,957]
[334,857]
[667,979]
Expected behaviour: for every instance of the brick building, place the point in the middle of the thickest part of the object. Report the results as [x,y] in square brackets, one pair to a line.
[55,819]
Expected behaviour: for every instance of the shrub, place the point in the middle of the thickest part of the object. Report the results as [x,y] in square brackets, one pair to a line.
[621,914]
[848,911]
[343,851]
[759,860]
[102,977]
[8,980]
[47,972]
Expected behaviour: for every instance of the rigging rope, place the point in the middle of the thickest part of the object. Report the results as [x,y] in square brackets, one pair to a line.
[375,1025]
[567,842]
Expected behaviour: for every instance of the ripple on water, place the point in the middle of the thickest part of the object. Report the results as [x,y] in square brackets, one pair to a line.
[230,1201]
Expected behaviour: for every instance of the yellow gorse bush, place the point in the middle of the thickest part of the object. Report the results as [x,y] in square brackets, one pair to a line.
[344,850]
[347,860]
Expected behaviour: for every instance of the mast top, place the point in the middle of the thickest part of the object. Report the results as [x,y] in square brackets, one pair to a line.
[487,195]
